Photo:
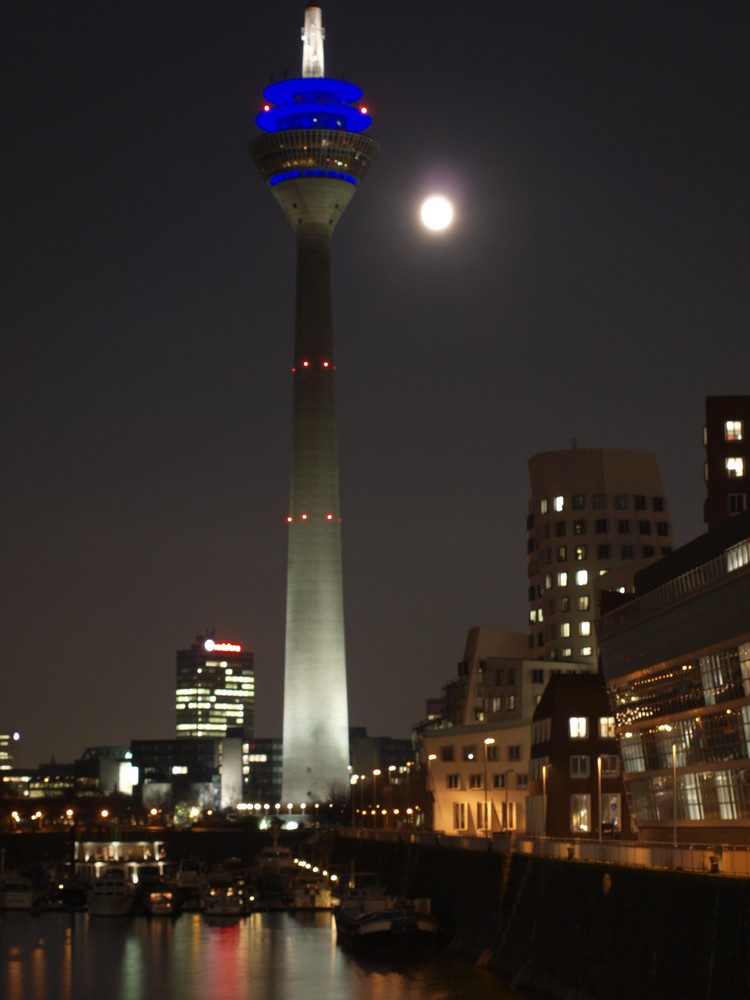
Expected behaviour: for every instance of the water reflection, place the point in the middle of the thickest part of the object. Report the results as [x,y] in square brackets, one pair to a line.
[276,956]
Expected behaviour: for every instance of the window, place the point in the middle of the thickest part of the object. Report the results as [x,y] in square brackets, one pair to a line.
[623,527]
[579,527]
[511,702]
[583,602]
[560,529]
[580,813]
[602,552]
[578,727]
[469,753]
[628,552]
[587,651]
[543,506]
[475,781]
[610,765]
[446,753]
[601,526]
[640,503]
[511,675]
[564,604]
[600,501]
[648,552]
[565,630]
[532,615]
[522,781]
[567,652]
[580,553]
[584,628]
[734,430]
[657,503]
[537,676]
[498,781]
[562,579]
[497,703]
[491,751]
[514,752]
[579,501]
[662,528]
[459,816]
[452,780]
[559,504]
[737,503]
[579,767]
[666,549]
[483,809]
[540,615]
[607,727]
[621,501]
[735,468]
[562,553]
[582,577]
[644,527]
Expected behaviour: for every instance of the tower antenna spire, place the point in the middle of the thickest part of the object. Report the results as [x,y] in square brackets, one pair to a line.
[313,35]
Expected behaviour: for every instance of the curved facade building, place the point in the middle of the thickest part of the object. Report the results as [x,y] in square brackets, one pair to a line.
[591,510]
[313,155]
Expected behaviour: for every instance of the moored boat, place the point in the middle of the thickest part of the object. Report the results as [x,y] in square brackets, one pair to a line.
[111,895]
[370,920]
[16,893]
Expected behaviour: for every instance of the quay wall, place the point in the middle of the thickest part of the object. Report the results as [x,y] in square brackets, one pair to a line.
[548,925]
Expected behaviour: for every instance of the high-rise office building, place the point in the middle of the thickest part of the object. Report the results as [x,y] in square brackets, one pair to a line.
[313,155]
[591,510]
[725,437]
[8,747]
[215,689]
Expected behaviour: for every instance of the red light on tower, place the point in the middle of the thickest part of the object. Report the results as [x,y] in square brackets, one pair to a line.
[289,519]
[329,517]
[304,517]
[305,364]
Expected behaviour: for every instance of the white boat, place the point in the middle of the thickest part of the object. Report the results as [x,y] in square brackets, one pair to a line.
[223,898]
[16,893]
[111,895]
[311,893]
[160,903]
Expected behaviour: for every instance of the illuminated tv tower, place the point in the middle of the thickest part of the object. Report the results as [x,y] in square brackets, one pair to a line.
[313,155]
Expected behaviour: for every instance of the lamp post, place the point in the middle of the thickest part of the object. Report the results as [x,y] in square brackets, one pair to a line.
[487,743]
[544,800]
[375,774]
[506,775]
[674,795]
[599,780]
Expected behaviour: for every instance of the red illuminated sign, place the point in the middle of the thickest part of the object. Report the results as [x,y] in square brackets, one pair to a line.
[221,647]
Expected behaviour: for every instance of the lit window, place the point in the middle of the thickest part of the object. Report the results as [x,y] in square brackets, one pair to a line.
[610,765]
[562,553]
[542,506]
[607,727]
[578,727]
[584,628]
[587,651]
[562,579]
[583,602]
[559,503]
[567,652]
[540,615]
[564,602]
[565,629]
[735,468]
[532,615]
[580,552]
[582,577]
[733,430]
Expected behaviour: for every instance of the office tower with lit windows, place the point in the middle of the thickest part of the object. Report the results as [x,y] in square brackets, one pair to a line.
[593,511]
[725,437]
[313,155]
[215,690]
[8,747]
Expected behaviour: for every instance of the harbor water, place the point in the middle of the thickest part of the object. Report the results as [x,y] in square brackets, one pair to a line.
[264,956]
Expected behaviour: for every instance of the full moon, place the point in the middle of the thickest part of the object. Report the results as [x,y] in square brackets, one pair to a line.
[437,212]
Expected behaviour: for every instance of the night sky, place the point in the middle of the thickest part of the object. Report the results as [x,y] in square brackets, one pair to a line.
[594,286]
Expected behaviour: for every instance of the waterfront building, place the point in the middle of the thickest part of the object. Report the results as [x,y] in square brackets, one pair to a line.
[725,438]
[261,768]
[591,509]
[575,777]
[486,746]
[313,155]
[8,746]
[182,770]
[676,660]
[215,689]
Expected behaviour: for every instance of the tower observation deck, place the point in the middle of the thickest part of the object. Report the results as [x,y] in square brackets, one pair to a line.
[313,155]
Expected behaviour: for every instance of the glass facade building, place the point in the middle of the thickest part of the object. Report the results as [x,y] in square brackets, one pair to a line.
[676,659]
[215,689]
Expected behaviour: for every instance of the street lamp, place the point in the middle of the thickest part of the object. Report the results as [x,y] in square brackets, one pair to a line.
[674,795]
[599,781]
[487,743]
[506,775]
[375,774]
[544,800]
